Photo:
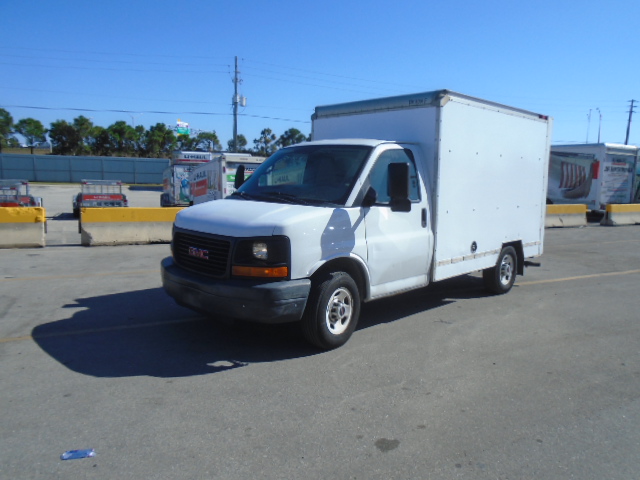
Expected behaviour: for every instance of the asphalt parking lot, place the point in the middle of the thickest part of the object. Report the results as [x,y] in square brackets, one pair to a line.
[445,382]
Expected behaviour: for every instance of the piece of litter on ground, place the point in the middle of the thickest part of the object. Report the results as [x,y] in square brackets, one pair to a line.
[74,454]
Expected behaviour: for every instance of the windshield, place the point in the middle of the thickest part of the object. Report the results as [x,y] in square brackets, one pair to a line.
[307,175]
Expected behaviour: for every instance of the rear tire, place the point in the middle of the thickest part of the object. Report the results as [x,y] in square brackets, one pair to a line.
[501,278]
[332,311]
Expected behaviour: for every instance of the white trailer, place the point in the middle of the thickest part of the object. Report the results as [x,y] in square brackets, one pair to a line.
[595,175]
[175,178]
[216,179]
[391,195]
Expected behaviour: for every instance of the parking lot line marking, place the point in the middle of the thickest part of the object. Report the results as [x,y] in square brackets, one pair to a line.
[79,275]
[580,277]
[550,246]
[99,330]
[15,339]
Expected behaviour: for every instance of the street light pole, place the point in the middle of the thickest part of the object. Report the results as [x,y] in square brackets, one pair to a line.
[133,120]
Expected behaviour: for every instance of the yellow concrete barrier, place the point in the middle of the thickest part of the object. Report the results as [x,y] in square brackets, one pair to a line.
[126,226]
[22,227]
[628,214]
[566,216]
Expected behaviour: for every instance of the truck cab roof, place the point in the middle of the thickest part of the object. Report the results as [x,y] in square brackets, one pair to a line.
[348,141]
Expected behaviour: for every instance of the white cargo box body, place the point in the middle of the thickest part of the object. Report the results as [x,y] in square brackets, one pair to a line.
[215,180]
[485,166]
[190,158]
[595,174]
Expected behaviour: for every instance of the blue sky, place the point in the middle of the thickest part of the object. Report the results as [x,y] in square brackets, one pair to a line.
[125,60]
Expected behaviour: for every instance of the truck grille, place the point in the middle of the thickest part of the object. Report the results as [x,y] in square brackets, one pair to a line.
[202,253]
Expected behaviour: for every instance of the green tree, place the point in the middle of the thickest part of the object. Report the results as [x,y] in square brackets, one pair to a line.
[65,138]
[186,142]
[122,139]
[99,142]
[159,141]
[84,126]
[72,139]
[290,137]
[32,130]
[208,141]
[6,126]
[139,140]
[242,144]
[265,145]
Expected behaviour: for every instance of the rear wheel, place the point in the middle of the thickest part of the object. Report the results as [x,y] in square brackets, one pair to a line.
[501,278]
[332,311]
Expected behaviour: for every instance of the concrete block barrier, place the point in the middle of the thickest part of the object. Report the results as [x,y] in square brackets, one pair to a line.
[621,215]
[566,216]
[126,226]
[22,227]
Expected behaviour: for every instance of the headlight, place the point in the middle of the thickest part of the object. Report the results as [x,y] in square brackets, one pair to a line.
[266,257]
[260,250]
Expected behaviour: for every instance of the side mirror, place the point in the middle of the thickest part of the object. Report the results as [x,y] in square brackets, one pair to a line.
[239,177]
[399,187]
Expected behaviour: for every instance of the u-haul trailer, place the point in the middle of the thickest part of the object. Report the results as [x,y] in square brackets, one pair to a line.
[216,179]
[595,175]
[176,190]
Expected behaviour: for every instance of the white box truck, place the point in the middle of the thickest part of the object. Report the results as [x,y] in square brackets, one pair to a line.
[175,178]
[595,174]
[392,194]
[216,179]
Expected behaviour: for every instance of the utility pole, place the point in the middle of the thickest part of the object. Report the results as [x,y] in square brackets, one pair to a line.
[235,108]
[599,124]
[626,141]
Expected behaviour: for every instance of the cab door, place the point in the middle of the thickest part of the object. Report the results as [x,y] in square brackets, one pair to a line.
[399,244]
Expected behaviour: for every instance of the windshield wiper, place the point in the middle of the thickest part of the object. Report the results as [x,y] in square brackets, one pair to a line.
[285,197]
[293,199]
[243,195]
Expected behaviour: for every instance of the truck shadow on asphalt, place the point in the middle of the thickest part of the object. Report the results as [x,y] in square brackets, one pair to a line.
[145,333]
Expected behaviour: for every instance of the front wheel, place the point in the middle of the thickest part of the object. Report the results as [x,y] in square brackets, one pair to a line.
[500,279]
[332,311]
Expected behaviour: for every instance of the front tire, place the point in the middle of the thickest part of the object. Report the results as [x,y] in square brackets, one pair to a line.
[501,278]
[332,311]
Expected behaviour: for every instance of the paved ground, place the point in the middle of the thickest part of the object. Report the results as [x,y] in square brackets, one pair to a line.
[441,383]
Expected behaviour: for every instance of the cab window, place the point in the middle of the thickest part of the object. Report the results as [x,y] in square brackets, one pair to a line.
[378,177]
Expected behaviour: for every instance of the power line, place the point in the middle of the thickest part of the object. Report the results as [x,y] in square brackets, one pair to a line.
[309,84]
[146,55]
[311,72]
[315,72]
[126,62]
[205,58]
[159,112]
[165,100]
[146,70]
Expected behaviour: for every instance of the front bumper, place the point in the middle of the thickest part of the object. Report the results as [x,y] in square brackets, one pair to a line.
[252,300]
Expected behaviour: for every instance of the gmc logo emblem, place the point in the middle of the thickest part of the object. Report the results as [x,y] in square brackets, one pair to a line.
[199,253]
